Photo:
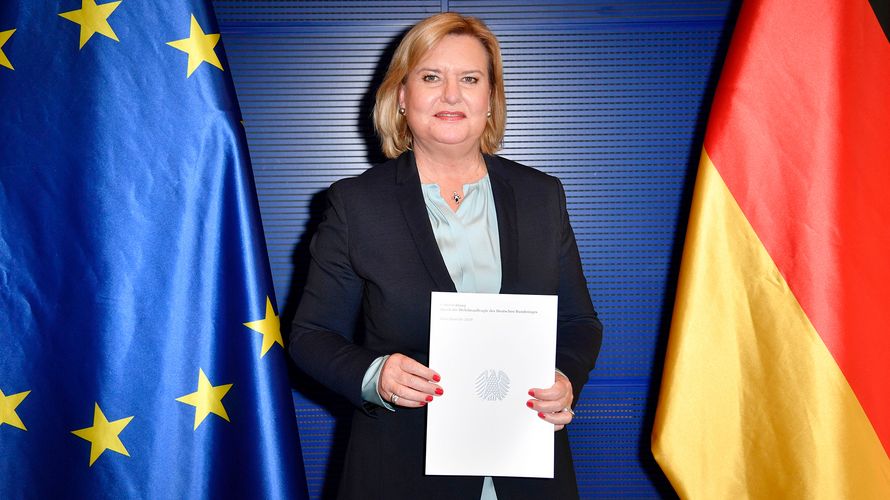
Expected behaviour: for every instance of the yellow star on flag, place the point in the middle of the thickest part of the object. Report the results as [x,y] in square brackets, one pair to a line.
[207,399]
[198,46]
[8,404]
[103,435]
[92,19]
[269,327]
[4,37]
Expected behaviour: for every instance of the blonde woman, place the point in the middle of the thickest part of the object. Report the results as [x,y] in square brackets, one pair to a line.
[444,214]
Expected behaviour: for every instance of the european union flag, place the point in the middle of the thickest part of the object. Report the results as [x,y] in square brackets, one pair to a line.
[140,350]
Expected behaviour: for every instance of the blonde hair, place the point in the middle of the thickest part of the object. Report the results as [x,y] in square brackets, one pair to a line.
[395,137]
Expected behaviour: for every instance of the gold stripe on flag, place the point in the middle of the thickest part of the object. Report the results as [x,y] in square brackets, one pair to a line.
[753,405]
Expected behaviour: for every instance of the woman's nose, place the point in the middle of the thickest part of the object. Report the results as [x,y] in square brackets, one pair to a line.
[451,91]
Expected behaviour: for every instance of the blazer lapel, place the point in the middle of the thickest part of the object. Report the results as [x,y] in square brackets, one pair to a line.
[508,232]
[414,210]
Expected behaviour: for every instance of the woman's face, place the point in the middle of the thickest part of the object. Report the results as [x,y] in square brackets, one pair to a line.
[446,96]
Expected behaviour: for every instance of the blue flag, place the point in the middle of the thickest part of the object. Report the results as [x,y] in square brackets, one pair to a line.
[140,349]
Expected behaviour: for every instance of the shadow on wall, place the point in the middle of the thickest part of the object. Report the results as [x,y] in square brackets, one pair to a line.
[339,409]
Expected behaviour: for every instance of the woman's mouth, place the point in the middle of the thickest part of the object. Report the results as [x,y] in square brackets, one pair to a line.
[450,115]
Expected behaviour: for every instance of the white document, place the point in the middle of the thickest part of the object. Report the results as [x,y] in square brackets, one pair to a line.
[490,349]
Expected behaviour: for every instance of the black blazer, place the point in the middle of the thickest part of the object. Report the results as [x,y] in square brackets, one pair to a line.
[375,257]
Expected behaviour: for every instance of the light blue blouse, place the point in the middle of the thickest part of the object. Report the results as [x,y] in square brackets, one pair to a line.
[468,239]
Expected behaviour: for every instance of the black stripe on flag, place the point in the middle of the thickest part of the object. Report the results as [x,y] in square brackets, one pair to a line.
[882,12]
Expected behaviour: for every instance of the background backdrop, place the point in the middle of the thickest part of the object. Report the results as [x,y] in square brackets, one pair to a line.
[618,91]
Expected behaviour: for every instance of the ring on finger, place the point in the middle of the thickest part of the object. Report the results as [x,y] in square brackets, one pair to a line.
[567,409]
[394,398]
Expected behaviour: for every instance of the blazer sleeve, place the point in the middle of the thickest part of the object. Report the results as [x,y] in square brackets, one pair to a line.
[579,331]
[321,340]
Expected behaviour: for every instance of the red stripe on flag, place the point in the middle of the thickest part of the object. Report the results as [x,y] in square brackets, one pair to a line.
[800,131]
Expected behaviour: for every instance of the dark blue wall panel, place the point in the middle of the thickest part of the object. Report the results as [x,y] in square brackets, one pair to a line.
[610,96]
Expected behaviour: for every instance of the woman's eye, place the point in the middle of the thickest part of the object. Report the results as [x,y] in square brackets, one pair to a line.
[430,78]
[471,79]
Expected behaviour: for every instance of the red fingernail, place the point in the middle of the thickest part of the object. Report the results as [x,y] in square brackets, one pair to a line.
[540,414]
[429,398]
[530,404]
[439,391]
[423,403]
[436,378]
[531,392]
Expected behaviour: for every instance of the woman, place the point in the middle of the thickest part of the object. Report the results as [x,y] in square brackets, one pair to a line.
[444,214]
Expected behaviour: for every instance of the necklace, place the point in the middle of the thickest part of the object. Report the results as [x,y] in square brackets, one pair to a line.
[455,196]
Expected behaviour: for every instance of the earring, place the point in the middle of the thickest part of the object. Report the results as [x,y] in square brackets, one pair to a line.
[402,111]
[488,114]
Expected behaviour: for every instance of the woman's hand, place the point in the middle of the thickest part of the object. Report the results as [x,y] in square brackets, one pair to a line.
[405,382]
[554,404]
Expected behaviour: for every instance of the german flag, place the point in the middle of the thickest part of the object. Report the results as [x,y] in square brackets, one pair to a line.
[777,375]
